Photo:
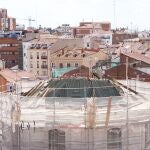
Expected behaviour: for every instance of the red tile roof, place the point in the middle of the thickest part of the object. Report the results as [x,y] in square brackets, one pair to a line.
[12,76]
[139,57]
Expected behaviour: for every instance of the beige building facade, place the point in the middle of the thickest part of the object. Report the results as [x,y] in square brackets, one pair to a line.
[76,57]
[42,61]
[38,61]
[37,55]
[46,57]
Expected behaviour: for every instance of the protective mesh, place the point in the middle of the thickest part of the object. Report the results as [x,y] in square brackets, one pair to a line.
[57,123]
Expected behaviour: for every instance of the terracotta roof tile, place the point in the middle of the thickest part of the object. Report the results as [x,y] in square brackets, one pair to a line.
[139,57]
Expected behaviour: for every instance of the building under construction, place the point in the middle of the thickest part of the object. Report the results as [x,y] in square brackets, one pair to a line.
[75,114]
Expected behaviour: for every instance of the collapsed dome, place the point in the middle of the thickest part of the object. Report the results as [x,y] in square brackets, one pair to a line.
[75,87]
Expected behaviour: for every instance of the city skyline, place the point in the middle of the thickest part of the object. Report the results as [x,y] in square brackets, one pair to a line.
[48,13]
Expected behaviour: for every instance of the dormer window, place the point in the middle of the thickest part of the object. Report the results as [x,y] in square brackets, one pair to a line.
[88,45]
[83,55]
[58,55]
[68,65]
[75,55]
[67,55]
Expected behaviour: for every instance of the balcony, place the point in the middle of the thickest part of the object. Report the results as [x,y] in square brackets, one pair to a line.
[43,57]
[9,48]
[44,66]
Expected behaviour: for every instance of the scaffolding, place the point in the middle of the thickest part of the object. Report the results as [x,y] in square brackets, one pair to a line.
[65,123]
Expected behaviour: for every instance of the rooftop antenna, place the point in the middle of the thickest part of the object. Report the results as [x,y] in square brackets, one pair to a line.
[36,12]
[30,20]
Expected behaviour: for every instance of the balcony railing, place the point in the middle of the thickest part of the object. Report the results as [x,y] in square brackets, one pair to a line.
[43,57]
[44,66]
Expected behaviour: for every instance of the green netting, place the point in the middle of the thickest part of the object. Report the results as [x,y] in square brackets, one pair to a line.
[82,88]
[59,72]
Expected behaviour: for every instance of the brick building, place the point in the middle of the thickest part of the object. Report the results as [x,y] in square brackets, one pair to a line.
[138,67]
[119,36]
[135,59]
[119,72]
[9,51]
[3,13]
[86,28]
[6,23]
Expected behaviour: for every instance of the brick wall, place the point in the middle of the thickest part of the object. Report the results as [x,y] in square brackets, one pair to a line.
[119,72]
[3,83]
[9,51]
[133,61]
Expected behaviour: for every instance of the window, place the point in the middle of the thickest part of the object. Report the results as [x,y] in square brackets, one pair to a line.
[58,55]
[13,61]
[61,65]
[37,55]
[56,139]
[75,55]
[44,54]
[53,65]
[68,65]
[43,62]
[147,135]
[76,64]
[31,56]
[37,64]
[114,139]
[44,73]
[66,55]
[134,65]
[97,64]
[83,55]
[88,45]
[37,72]
[31,65]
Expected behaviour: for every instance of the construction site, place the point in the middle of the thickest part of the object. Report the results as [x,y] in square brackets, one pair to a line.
[75,114]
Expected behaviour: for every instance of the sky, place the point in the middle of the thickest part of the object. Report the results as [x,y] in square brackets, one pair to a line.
[52,13]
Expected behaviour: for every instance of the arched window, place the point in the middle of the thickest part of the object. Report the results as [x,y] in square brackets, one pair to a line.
[56,139]
[76,64]
[114,139]
[68,65]
[147,134]
[61,65]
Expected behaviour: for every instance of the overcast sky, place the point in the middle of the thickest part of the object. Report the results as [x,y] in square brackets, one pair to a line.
[52,13]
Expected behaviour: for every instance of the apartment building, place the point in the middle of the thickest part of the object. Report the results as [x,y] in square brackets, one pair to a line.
[121,35]
[3,13]
[9,51]
[37,56]
[45,57]
[64,29]
[86,28]
[6,23]
[67,59]
[96,40]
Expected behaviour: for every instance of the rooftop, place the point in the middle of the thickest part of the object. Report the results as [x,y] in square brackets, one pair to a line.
[75,87]
[139,57]
[13,76]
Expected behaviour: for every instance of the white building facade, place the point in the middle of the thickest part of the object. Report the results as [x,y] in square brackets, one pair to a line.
[96,39]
